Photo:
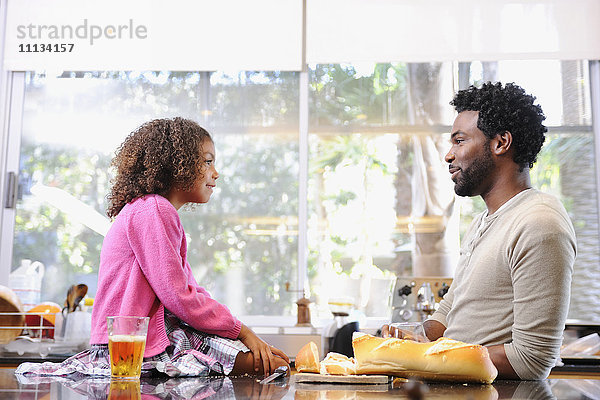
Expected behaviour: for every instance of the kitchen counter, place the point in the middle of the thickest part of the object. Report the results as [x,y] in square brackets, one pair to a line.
[246,387]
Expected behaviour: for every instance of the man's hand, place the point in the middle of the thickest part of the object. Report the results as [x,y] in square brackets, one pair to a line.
[433,331]
[261,351]
[393,331]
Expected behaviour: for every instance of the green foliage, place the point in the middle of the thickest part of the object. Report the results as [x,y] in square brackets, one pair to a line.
[342,198]
[44,233]
[340,95]
[339,241]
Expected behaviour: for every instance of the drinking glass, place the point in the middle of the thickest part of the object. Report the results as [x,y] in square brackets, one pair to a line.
[126,344]
[408,330]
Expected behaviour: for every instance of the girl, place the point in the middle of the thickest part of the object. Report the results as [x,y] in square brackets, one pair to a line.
[144,270]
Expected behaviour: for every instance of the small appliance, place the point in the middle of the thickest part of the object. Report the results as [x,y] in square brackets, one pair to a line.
[416,298]
[337,335]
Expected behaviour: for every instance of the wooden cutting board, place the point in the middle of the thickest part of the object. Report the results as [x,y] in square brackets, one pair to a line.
[303,377]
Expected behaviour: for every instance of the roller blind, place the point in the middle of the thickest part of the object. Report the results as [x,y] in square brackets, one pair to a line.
[267,34]
[441,30]
[153,35]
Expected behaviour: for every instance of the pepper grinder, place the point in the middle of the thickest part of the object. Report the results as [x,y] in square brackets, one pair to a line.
[303,310]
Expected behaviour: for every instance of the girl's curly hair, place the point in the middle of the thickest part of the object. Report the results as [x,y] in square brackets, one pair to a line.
[157,156]
[510,109]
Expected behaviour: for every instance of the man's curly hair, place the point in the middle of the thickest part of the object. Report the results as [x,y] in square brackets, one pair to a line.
[510,109]
[157,156]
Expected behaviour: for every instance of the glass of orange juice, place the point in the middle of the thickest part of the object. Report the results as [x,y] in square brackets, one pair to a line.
[126,344]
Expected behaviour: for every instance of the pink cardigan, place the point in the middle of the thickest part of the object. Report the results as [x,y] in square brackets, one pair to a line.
[144,268]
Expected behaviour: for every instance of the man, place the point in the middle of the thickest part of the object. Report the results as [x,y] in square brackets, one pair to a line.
[511,288]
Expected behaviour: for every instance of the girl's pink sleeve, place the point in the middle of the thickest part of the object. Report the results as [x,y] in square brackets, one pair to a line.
[192,282]
[156,237]
[202,291]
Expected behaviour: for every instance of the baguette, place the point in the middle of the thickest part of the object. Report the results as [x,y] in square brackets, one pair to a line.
[307,359]
[442,360]
[337,364]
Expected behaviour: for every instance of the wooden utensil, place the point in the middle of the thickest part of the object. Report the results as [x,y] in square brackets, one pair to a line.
[74,296]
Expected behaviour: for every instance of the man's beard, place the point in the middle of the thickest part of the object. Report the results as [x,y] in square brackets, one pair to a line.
[469,180]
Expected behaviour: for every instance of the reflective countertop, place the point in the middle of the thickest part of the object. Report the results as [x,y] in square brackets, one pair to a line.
[18,387]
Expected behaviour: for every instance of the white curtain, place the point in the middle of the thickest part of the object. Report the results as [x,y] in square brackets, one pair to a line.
[433,202]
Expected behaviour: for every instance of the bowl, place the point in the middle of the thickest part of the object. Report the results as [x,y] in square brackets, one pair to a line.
[342,305]
[41,317]
[12,317]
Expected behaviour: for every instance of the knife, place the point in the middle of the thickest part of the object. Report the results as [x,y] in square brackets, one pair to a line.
[278,373]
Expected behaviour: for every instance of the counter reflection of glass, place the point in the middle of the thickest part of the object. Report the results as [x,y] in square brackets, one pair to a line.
[126,344]
[123,389]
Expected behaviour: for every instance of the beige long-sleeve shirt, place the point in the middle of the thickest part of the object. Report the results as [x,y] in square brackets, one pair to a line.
[512,284]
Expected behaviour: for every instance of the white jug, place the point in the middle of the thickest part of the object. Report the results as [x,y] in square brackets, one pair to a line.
[26,282]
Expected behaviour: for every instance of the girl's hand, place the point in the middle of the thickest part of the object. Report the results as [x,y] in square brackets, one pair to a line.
[261,351]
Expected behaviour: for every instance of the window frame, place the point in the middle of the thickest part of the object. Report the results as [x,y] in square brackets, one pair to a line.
[12,92]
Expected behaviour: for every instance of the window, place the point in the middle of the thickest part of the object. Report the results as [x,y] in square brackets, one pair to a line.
[380,200]
[368,124]
[242,244]
[379,188]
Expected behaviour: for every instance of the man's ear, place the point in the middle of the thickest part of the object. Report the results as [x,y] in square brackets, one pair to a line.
[502,143]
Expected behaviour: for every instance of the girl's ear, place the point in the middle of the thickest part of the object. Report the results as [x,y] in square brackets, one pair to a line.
[502,143]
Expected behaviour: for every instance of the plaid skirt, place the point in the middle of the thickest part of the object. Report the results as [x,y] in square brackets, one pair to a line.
[190,353]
